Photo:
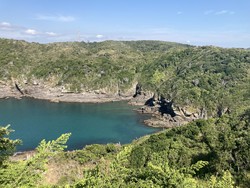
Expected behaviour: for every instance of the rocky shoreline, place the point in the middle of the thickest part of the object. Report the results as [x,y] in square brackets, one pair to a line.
[56,95]
[164,113]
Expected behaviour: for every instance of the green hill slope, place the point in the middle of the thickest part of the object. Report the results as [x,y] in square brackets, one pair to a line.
[210,78]
[82,65]
[203,153]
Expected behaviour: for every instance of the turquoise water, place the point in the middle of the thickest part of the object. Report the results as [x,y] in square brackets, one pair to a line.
[34,120]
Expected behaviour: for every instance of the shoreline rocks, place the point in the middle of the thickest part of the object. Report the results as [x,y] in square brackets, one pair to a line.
[166,115]
[56,95]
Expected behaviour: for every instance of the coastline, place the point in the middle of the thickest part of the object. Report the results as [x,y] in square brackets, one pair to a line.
[56,95]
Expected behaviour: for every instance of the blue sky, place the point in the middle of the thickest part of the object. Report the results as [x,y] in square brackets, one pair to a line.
[223,23]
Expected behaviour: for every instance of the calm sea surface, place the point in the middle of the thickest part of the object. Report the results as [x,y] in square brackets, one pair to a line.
[34,120]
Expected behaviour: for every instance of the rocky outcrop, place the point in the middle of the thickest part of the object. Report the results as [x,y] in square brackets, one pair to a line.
[140,96]
[166,114]
[138,90]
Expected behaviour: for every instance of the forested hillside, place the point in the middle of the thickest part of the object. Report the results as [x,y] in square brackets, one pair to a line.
[212,151]
[79,65]
[210,78]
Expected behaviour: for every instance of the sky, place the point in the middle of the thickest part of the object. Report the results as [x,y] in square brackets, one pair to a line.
[224,23]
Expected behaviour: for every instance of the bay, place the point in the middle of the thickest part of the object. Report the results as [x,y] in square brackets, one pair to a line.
[34,120]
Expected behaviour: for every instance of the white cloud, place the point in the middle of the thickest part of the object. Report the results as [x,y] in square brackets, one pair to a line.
[221,37]
[31,32]
[58,18]
[52,34]
[8,30]
[5,24]
[66,18]
[99,36]
[221,12]
[224,12]
[34,32]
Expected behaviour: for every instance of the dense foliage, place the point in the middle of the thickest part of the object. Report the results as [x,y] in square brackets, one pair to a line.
[204,153]
[28,173]
[79,65]
[209,78]
[205,77]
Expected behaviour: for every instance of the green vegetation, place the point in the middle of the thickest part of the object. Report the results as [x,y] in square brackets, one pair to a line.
[204,153]
[7,146]
[79,66]
[29,172]
[212,78]
[209,78]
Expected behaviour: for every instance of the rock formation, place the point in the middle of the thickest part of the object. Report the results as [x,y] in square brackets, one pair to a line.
[166,114]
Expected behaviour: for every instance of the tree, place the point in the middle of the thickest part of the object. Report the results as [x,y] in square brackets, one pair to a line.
[226,181]
[7,146]
[28,173]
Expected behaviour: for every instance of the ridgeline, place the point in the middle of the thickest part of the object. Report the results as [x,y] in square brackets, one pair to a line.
[178,83]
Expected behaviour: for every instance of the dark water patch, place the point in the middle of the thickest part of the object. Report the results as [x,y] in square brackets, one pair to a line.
[34,120]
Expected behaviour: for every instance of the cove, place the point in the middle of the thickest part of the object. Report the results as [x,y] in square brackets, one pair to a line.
[34,120]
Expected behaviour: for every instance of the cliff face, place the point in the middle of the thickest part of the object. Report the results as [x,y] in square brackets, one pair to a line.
[200,82]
